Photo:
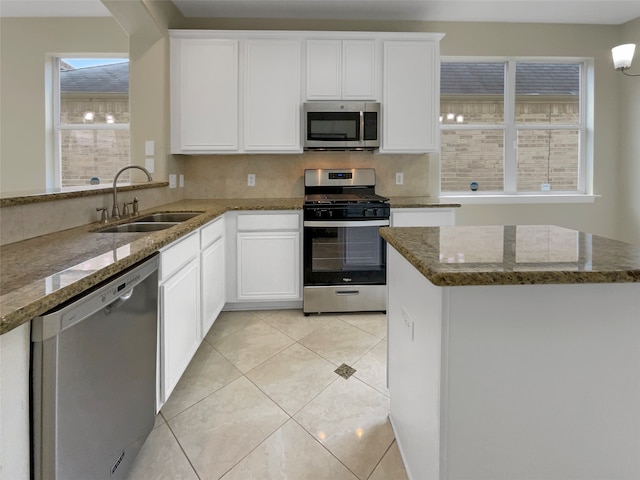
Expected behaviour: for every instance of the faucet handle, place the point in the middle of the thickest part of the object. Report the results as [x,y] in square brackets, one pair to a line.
[125,208]
[136,209]
[105,216]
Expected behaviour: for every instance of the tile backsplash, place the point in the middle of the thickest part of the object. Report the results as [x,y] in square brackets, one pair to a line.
[221,176]
[282,176]
[21,222]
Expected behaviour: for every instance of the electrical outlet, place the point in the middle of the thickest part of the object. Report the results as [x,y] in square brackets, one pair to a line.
[172,180]
[251,180]
[149,164]
[181,181]
[409,324]
[399,178]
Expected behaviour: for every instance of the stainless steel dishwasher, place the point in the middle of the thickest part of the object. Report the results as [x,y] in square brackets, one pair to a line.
[94,378]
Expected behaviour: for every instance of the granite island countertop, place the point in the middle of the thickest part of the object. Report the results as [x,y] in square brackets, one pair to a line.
[514,255]
[40,273]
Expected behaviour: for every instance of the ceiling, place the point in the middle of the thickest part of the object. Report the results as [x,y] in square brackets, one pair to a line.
[611,12]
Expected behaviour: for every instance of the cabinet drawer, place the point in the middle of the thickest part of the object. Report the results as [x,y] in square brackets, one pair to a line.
[280,221]
[211,232]
[177,254]
[421,218]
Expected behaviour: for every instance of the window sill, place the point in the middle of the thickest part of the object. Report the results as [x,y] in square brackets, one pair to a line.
[519,199]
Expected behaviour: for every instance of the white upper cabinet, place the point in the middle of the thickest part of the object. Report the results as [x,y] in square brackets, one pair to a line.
[272,96]
[241,91]
[410,96]
[204,95]
[342,69]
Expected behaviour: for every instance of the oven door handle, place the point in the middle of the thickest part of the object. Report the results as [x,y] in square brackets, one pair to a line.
[346,223]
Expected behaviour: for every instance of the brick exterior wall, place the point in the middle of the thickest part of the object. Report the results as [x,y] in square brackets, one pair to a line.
[544,156]
[93,153]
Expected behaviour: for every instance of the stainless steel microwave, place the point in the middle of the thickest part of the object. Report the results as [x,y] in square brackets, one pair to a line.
[348,125]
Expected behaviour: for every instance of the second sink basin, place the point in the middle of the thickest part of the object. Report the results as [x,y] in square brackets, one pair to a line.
[139,226]
[167,217]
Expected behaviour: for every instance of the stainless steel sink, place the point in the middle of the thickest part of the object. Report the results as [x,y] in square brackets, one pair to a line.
[167,217]
[138,227]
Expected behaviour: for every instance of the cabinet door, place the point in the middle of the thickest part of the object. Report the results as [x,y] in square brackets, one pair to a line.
[342,70]
[213,281]
[268,265]
[409,117]
[180,324]
[272,96]
[324,69]
[359,70]
[204,95]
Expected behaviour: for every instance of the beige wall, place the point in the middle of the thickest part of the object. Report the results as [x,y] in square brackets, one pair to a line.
[554,40]
[629,138]
[474,39]
[24,46]
[614,214]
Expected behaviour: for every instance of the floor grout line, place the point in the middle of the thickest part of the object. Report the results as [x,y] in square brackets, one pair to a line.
[289,417]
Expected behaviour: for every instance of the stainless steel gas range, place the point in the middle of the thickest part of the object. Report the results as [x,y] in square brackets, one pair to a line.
[345,267]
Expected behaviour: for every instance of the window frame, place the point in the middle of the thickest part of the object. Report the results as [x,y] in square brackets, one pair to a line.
[510,128]
[59,127]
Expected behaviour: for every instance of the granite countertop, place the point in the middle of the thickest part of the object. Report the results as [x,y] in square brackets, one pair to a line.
[40,273]
[514,255]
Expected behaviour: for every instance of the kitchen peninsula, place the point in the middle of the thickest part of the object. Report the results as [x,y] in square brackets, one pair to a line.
[514,352]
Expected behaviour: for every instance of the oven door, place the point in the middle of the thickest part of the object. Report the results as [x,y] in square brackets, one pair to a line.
[344,253]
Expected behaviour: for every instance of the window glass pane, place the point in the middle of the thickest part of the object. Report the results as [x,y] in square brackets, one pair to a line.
[472,156]
[79,111]
[93,153]
[547,93]
[93,91]
[548,160]
[472,93]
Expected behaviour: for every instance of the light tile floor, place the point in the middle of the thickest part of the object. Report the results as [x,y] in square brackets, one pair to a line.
[260,400]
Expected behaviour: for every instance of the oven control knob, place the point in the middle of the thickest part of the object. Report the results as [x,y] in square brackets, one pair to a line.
[364,212]
[375,212]
[318,213]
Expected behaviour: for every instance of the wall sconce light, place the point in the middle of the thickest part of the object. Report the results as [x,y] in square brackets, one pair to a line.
[622,57]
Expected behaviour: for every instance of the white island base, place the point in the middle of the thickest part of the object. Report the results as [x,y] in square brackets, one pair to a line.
[514,382]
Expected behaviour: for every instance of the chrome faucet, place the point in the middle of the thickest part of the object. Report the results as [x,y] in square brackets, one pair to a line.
[115,212]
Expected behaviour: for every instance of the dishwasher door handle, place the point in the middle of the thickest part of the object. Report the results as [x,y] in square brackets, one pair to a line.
[118,302]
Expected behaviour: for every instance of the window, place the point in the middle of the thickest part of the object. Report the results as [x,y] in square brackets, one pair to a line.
[513,127]
[91,118]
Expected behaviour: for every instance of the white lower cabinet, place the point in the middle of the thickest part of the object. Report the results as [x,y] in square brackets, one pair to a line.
[179,311]
[268,265]
[212,272]
[267,250]
[422,217]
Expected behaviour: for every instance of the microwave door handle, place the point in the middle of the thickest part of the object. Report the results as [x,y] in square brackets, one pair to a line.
[361,126]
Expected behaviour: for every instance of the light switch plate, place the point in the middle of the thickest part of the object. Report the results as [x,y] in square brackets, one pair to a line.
[172,180]
[399,178]
[149,164]
[181,181]
[149,148]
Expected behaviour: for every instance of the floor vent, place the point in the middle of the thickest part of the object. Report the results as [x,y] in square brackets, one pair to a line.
[345,371]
